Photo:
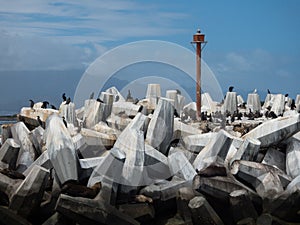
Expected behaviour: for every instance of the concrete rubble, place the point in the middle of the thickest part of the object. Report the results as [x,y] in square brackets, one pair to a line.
[114,161]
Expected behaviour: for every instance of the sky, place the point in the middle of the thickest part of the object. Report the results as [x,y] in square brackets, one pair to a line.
[46,45]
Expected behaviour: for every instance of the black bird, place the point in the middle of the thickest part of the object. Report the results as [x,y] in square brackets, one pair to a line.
[65,122]
[230,89]
[53,107]
[117,98]
[68,101]
[286,95]
[99,100]
[40,121]
[45,105]
[269,92]
[92,95]
[31,103]
[64,97]
[293,105]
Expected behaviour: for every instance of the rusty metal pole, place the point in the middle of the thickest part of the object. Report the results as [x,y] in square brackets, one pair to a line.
[198,39]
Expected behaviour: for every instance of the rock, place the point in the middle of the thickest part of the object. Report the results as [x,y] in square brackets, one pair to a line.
[184,195]
[202,212]
[195,143]
[215,152]
[268,181]
[230,103]
[5,132]
[95,143]
[9,152]
[36,137]
[43,161]
[164,190]
[181,167]
[275,158]
[61,149]
[253,102]
[293,157]
[127,108]
[153,94]
[116,94]
[160,129]
[241,206]
[28,196]
[87,211]
[278,104]
[182,130]
[68,112]
[118,122]
[27,153]
[274,131]
[248,150]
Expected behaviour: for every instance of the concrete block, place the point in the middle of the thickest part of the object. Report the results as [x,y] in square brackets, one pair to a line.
[278,104]
[230,103]
[9,152]
[275,158]
[293,157]
[253,102]
[127,108]
[153,94]
[195,143]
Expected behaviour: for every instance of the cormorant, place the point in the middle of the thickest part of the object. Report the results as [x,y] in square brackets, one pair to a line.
[64,97]
[99,100]
[230,89]
[53,107]
[65,122]
[117,98]
[68,101]
[293,105]
[45,105]
[92,95]
[269,92]
[286,95]
[40,121]
[31,103]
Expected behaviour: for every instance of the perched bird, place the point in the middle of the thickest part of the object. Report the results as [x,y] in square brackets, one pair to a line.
[68,101]
[31,103]
[255,91]
[65,122]
[45,105]
[53,107]
[40,121]
[293,105]
[230,89]
[92,95]
[117,98]
[99,100]
[64,97]
[286,95]
[269,92]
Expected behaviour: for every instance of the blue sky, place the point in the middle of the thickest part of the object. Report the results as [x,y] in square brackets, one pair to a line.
[251,44]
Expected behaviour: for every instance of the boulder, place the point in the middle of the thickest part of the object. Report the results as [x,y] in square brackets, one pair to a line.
[160,129]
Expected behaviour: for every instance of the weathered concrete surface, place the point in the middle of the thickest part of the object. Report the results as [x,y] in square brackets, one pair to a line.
[181,167]
[27,152]
[184,195]
[95,143]
[269,182]
[68,111]
[230,103]
[127,108]
[207,104]
[160,129]
[87,211]
[118,122]
[215,152]
[8,185]
[189,111]
[29,115]
[28,196]
[9,152]
[269,101]
[164,190]
[117,95]
[195,143]
[253,102]
[274,131]
[240,100]
[278,104]
[43,161]
[182,130]
[202,212]
[92,162]
[61,149]
[8,217]
[248,150]
[5,132]
[293,157]
[153,94]
[36,137]
[275,158]
[138,211]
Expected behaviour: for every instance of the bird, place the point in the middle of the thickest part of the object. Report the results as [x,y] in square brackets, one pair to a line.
[230,89]
[269,92]
[99,100]
[92,95]
[44,105]
[53,107]
[31,103]
[40,121]
[64,97]
[286,95]
[255,91]
[68,101]
[117,98]
[65,122]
